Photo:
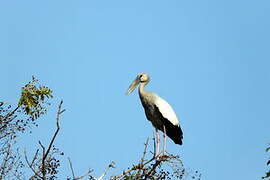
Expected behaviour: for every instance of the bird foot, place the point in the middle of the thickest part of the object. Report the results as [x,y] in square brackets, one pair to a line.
[161,155]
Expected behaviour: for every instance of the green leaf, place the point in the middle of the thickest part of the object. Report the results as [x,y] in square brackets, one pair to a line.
[33,98]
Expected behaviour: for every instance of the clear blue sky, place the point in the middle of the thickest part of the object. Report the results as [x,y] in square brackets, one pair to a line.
[208,59]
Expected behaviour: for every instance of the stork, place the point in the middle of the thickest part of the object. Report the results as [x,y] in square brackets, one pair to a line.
[158,111]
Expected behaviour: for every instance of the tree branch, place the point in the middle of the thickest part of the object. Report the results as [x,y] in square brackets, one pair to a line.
[70,165]
[45,154]
[86,174]
[31,165]
[59,112]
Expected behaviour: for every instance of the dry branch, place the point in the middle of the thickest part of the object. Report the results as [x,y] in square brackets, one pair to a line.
[40,165]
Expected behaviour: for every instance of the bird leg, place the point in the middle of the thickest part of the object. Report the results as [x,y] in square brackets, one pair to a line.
[164,140]
[157,143]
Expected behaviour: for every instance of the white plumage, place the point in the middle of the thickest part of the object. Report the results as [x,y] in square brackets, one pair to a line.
[166,110]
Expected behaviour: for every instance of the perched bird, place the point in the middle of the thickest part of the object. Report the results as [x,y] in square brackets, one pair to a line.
[157,110]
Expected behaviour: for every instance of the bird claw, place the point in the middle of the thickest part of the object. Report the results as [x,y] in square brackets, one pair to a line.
[161,155]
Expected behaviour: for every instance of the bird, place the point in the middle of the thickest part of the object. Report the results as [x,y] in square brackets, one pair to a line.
[157,110]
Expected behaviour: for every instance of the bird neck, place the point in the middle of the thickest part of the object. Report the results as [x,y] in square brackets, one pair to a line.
[141,89]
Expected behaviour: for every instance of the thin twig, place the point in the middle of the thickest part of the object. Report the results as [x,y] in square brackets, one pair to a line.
[17,176]
[145,150]
[43,161]
[43,148]
[5,161]
[35,157]
[111,165]
[73,174]
[132,169]
[123,174]
[11,113]
[7,118]
[157,163]
[31,166]
[70,165]
[143,156]
[86,174]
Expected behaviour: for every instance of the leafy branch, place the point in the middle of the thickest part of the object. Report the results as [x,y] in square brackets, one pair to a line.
[33,98]
[32,103]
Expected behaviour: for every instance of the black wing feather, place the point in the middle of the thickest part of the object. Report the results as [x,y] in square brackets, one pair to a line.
[174,132]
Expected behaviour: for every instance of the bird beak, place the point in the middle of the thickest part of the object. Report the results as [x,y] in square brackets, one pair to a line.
[133,85]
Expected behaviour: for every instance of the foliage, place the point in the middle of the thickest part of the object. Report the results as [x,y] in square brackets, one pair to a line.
[33,98]
[32,104]
[267,174]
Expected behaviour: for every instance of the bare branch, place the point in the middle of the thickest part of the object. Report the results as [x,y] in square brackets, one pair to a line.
[73,174]
[31,165]
[145,150]
[45,154]
[5,161]
[59,112]
[43,148]
[124,173]
[70,165]
[86,174]
[157,163]
[111,165]
[35,157]
[43,161]
[10,113]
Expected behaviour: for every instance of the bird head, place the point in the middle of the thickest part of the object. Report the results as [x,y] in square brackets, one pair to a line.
[141,78]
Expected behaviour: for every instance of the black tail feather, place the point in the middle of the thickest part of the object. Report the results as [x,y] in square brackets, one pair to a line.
[174,132]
